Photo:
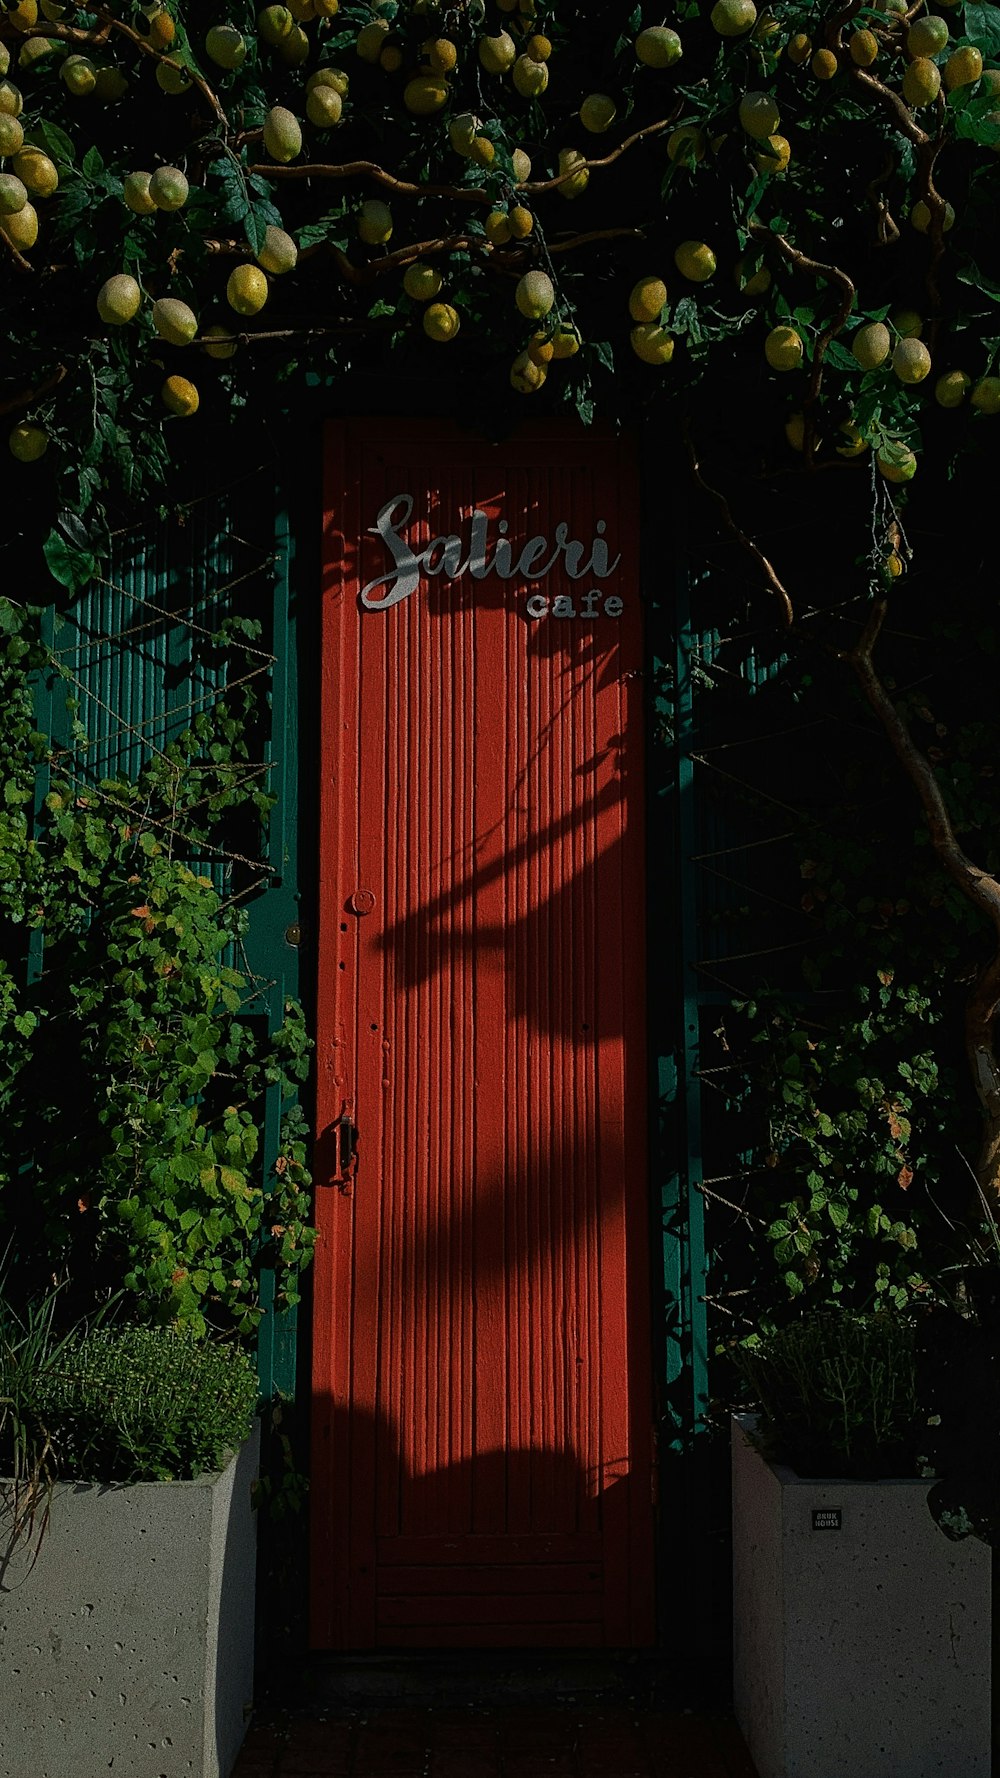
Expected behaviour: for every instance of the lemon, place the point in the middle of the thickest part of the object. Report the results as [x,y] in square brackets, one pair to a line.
[798,49]
[246,289]
[110,85]
[22,227]
[225,46]
[335,78]
[168,188]
[598,113]
[652,343]
[855,444]
[986,395]
[759,115]
[525,375]
[371,40]
[648,299]
[911,361]
[441,54]
[521,164]
[274,23]
[751,279]
[658,47]
[921,82]
[34,49]
[174,321]
[951,389]
[521,222]
[374,223]
[118,299]
[172,79]
[565,342]
[497,228]
[963,68]
[871,344]
[540,349]
[897,463]
[732,18]
[13,194]
[920,216]
[686,144]
[441,321]
[774,155]
[908,323]
[425,94]
[218,342]
[784,349]
[574,187]
[23,16]
[11,134]
[498,53]
[324,107]
[824,64]
[37,171]
[535,295]
[10,98]
[162,30]
[421,281]
[282,134]
[278,251]
[795,431]
[483,152]
[462,132]
[180,396]
[135,189]
[863,48]
[927,36]
[530,77]
[28,443]
[892,566]
[695,261]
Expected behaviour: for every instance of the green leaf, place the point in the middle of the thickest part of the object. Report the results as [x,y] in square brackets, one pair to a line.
[70,566]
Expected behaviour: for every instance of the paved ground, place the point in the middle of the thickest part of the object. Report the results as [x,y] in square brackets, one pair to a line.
[566,1740]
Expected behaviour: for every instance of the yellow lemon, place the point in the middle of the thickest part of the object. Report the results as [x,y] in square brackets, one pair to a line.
[218,342]
[963,68]
[521,164]
[324,107]
[180,396]
[921,82]
[22,227]
[951,389]
[920,216]
[598,113]
[652,343]
[863,48]
[686,144]
[441,321]
[774,155]
[371,39]
[871,344]
[824,64]
[798,49]
[278,252]
[521,222]
[911,361]
[784,349]
[118,299]
[168,188]
[576,185]
[658,47]
[11,134]
[695,261]
[525,375]
[135,189]
[566,342]
[174,321]
[28,443]
[421,281]
[425,94]
[530,77]
[733,18]
[498,53]
[497,228]
[927,36]
[897,463]
[759,115]
[13,194]
[275,23]
[535,295]
[37,171]
[647,300]
[986,395]
[374,222]
[225,46]
[246,289]
[282,134]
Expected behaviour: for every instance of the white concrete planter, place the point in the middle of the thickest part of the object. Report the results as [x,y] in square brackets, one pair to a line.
[128,1646]
[861,1637]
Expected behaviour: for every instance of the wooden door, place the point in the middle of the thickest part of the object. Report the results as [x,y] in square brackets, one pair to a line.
[481,1470]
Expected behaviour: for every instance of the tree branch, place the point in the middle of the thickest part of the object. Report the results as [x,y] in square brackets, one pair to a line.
[774,584]
[25,397]
[848,291]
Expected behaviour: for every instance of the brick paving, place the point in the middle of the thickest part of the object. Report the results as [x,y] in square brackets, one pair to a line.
[565,1740]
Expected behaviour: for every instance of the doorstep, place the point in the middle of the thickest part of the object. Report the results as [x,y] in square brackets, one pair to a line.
[508,1741]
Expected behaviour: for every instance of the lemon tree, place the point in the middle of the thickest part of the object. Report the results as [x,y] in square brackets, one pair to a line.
[764,232]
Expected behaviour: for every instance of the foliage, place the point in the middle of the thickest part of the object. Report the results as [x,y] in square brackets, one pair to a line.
[837,1393]
[139,1164]
[831,242]
[125,1404]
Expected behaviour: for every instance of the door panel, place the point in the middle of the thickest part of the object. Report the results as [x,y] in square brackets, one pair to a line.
[481,1295]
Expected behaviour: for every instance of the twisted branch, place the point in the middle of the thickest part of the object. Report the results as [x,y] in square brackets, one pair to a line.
[816,268]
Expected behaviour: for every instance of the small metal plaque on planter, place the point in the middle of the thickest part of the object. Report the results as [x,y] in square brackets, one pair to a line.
[826,1518]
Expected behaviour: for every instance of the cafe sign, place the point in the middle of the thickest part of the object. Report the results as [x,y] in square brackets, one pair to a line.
[480,554]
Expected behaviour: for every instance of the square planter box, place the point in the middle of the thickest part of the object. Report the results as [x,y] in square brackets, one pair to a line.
[861,1633]
[127,1645]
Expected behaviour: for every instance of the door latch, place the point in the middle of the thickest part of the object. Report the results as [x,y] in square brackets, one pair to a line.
[346,1137]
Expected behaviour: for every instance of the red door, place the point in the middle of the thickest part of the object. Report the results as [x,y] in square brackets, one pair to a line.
[481,1471]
